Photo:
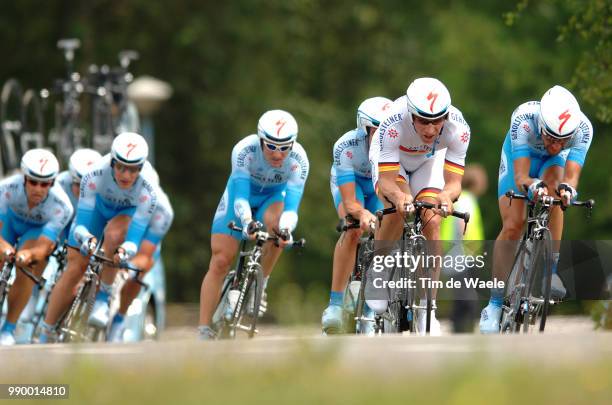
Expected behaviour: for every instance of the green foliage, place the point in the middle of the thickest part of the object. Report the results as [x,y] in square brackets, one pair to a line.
[228,62]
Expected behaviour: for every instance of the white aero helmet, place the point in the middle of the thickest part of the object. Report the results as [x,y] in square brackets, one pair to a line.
[277,126]
[372,111]
[81,161]
[428,98]
[39,164]
[130,149]
[559,113]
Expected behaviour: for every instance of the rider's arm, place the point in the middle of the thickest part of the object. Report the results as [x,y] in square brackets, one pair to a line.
[349,200]
[520,130]
[62,214]
[577,155]
[41,250]
[4,245]
[388,187]
[521,173]
[87,203]
[572,173]
[295,189]
[454,159]
[240,183]
[160,221]
[345,175]
[385,154]
[140,221]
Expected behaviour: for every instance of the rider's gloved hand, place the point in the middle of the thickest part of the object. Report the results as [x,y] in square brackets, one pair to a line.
[9,253]
[404,204]
[567,193]
[286,238]
[446,204]
[88,246]
[250,230]
[537,189]
[121,256]
[24,257]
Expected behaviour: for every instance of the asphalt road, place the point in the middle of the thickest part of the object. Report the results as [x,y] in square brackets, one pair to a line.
[568,340]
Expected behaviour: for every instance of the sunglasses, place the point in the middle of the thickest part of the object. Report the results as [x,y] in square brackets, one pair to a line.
[553,139]
[36,183]
[283,148]
[121,168]
[425,121]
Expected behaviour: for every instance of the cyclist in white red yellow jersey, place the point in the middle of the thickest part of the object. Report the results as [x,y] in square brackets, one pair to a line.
[353,193]
[117,201]
[33,213]
[269,172]
[543,154]
[419,154]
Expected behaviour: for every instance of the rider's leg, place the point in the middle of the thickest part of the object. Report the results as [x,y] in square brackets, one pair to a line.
[392,225]
[143,260]
[224,248]
[22,286]
[270,252]
[114,236]
[552,176]
[63,292]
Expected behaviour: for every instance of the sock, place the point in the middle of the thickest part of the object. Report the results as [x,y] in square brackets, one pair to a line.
[206,330]
[118,318]
[265,282]
[46,327]
[107,288]
[336,298]
[9,327]
[497,297]
[423,303]
[555,262]
[104,292]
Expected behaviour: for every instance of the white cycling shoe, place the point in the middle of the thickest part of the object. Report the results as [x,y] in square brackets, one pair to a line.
[7,339]
[99,315]
[434,324]
[557,289]
[367,327]
[489,319]
[331,321]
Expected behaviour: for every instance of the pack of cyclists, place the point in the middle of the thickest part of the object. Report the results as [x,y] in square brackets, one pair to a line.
[402,151]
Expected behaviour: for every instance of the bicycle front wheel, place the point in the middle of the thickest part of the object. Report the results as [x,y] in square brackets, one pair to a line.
[537,290]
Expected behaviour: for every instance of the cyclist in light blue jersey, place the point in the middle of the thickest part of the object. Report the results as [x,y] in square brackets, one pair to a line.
[117,201]
[269,171]
[354,194]
[543,154]
[33,213]
[70,180]
[148,254]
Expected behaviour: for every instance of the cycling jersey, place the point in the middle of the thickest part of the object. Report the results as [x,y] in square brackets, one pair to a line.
[64,180]
[524,139]
[101,199]
[351,164]
[19,222]
[254,185]
[397,146]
